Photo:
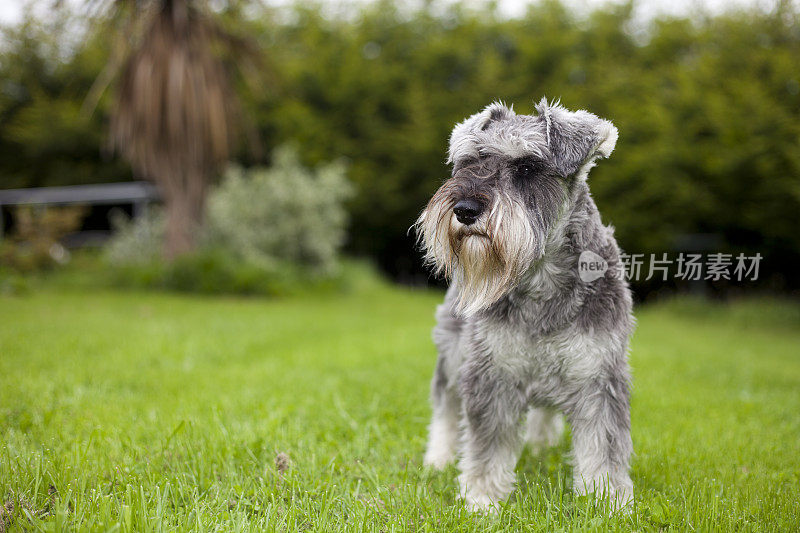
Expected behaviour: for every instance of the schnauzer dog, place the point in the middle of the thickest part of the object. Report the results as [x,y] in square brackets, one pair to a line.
[521,329]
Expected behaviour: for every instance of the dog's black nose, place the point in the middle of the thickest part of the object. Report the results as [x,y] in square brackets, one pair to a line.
[467,211]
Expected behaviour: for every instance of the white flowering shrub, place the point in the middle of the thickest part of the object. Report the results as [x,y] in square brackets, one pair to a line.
[285,213]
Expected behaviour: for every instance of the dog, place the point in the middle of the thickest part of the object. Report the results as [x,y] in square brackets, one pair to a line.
[521,333]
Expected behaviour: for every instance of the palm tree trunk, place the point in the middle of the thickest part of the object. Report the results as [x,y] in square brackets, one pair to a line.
[184,203]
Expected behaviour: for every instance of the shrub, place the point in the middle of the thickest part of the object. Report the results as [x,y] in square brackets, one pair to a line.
[34,245]
[284,213]
[136,241]
[207,271]
[268,231]
[214,271]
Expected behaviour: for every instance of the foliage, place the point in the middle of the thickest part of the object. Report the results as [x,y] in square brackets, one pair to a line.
[708,110]
[148,412]
[174,114]
[696,154]
[34,245]
[268,231]
[281,213]
[12,282]
[44,138]
[135,241]
[217,271]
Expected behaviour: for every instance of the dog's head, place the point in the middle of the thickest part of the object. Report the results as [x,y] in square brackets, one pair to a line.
[511,184]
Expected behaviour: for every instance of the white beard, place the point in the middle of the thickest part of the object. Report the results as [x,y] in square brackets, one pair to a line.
[484,260]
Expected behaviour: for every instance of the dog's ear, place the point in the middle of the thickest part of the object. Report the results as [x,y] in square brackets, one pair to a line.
[576,139]
[462,140]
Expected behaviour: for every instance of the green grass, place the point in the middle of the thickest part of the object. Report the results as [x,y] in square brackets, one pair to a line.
[137,411]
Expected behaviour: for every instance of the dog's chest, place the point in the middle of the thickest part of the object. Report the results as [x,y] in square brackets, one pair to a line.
[567,354]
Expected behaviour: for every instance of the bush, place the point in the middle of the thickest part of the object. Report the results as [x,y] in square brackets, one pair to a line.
[282,214]
[136,241]
[211,271]
[34,245]
[268,231]
[207,271]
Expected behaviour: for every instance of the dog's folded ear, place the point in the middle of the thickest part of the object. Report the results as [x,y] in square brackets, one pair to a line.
[576,139]
[462,140]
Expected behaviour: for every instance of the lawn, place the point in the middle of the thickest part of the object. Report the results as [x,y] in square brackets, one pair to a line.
[140,411]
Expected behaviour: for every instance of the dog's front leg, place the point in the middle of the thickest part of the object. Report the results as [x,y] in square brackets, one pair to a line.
[492,405]
[601,439]
[443,430]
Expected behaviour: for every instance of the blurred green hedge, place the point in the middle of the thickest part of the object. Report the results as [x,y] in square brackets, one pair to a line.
[708,110]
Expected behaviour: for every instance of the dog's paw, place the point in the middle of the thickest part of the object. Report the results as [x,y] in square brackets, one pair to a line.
[481,504]
[437,460]
[622,500]
[439,454]
[477,501]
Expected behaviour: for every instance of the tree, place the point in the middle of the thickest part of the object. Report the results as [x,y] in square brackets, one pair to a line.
[175,113]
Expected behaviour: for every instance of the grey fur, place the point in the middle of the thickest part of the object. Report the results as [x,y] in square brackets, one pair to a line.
[519,330]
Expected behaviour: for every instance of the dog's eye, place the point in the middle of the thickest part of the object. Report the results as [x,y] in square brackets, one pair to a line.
[526,169]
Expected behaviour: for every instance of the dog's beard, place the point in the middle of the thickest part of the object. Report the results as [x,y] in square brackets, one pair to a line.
[484,260]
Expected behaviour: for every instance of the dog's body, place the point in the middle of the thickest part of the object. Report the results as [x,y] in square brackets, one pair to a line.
[520,331]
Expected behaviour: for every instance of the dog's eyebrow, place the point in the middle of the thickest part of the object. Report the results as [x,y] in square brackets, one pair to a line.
[467,161]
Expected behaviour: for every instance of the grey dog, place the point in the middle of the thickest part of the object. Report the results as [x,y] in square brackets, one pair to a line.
[520,331]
